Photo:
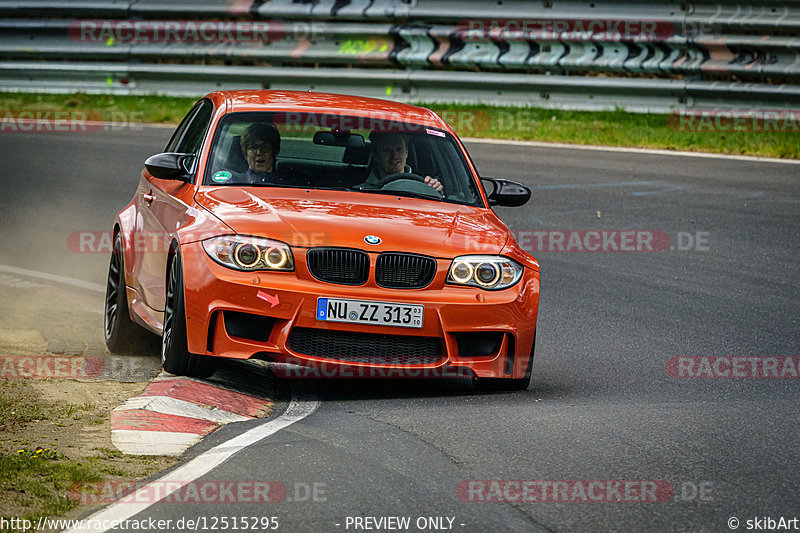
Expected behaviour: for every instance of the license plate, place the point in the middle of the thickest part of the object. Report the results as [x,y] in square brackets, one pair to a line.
[369,312]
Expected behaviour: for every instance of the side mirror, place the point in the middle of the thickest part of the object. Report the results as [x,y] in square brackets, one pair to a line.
[169,166]
[507,193]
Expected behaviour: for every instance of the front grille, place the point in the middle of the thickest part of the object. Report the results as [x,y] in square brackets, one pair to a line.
[365,347]
[404,271]
[339,265]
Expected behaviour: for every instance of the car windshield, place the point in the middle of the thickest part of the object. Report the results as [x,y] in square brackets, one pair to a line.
[331,151]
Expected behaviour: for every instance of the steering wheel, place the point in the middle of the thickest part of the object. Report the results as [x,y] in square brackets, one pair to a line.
[408,181]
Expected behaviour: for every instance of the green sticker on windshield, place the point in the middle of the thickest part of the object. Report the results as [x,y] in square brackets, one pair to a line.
[221,176]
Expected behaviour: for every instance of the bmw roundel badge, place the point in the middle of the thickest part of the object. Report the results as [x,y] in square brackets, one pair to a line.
[372,239]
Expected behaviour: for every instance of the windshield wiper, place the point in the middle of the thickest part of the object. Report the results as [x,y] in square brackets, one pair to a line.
[286,186]
[349,189]
[283,185]
[408,194]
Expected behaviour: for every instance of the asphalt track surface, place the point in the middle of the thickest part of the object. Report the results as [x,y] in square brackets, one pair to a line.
[608,324]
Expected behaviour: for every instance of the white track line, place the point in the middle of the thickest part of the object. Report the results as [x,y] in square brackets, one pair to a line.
[199,466]
[622,149]
[95,287]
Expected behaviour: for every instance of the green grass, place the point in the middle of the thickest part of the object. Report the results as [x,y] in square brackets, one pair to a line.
[108,453]
[41,481]
[12,410]
[612,128]
[157,109]
[72,408]
[608,128]
[22,412]
[36,479]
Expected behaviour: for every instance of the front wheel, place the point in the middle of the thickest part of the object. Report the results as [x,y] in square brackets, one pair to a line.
[122,335]
[175,356]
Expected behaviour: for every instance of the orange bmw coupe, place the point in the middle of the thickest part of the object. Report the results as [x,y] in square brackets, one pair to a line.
[324,231]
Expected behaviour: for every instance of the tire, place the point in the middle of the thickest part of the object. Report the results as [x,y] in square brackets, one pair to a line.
[175,356]
[122,335]
[508,384]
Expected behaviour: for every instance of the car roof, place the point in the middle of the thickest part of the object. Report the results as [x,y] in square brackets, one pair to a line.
[270,100]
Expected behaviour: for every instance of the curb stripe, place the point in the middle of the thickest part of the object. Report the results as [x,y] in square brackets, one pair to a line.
[205,395]
[142,420]
[184,408]
[204,463]
[135,442]
[174,406]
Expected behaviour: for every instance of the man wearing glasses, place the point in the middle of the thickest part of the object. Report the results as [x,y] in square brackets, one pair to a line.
[260,143]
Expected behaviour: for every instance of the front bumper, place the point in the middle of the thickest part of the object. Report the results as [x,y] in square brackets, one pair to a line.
[288,301]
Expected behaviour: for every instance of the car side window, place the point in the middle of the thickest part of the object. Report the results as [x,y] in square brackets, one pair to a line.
[193,138]
[181,130]
[188,138]
[189,135]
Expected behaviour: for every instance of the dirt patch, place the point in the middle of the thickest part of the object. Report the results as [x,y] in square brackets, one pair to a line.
[58,385]
[54,436]
[74,414]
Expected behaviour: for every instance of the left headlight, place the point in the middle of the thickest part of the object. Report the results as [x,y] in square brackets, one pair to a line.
[491,272]
[250,253]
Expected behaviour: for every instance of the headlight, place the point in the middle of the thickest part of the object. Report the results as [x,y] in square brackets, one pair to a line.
[489,272]
[250,253]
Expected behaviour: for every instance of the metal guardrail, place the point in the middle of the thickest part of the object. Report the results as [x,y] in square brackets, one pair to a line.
[551,53]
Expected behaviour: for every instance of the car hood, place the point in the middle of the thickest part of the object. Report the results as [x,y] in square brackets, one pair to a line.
[310,218]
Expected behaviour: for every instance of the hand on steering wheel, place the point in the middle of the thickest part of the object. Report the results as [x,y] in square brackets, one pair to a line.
[433,183]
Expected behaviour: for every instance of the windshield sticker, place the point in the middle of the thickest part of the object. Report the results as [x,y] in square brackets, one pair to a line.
[221,177]
[434,132]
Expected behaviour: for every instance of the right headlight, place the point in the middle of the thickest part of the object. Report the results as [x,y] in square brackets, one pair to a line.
[250,253]
[490,272]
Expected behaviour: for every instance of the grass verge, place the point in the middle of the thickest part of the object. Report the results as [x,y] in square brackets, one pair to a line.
[618,128]
[51,450]
[152,109]
[606,128]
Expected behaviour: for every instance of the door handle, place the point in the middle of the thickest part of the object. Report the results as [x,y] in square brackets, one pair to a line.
[148,197]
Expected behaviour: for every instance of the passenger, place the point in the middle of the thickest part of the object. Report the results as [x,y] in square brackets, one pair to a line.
[390,152]
[260,143]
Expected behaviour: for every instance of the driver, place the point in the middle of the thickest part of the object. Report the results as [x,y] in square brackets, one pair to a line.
[390,151]
[260,143]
